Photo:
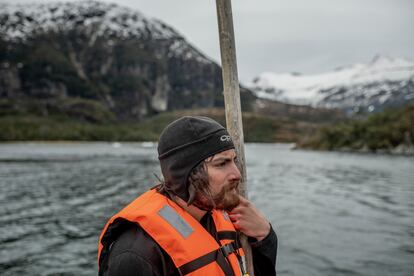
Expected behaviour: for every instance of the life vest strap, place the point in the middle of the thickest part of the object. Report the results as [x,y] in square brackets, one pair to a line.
[227,235]
[197,263]
[212,257]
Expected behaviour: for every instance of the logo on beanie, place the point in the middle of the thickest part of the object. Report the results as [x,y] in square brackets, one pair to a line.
[225,138]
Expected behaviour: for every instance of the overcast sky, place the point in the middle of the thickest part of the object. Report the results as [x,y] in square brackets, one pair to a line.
[306,36]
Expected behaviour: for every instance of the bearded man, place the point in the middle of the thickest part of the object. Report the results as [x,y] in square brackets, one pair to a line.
[190,223]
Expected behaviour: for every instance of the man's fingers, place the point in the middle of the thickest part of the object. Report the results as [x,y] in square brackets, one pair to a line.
[234,217]
[239,209]
[243,201]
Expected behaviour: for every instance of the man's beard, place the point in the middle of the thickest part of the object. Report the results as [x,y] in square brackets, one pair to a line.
[226,199]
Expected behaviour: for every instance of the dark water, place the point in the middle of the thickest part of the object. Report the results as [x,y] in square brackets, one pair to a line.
[335,214]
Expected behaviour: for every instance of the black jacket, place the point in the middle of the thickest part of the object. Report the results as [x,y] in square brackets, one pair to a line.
[133,252]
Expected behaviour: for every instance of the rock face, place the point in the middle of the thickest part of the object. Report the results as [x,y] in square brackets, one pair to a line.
[133,66]
[384,82]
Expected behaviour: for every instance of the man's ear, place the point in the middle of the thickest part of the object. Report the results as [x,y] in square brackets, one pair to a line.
[192,193]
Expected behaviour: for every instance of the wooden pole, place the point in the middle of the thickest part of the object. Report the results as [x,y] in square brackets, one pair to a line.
[232,100]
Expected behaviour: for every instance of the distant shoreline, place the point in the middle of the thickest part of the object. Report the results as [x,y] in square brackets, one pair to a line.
[398,151]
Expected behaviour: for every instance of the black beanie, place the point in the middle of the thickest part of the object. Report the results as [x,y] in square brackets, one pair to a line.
[186,142]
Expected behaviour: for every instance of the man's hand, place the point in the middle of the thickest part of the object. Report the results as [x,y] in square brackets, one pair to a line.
[249,220]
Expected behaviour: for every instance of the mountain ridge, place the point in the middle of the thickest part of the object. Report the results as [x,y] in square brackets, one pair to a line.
[381,83]
[21,21]
[133,66]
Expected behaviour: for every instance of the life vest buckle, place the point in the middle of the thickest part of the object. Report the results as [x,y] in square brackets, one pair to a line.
[227,249]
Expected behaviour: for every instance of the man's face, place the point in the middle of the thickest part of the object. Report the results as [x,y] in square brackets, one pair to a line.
[224,178]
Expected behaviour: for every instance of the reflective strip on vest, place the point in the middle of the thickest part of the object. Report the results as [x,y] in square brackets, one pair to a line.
[225,215]
[176,221]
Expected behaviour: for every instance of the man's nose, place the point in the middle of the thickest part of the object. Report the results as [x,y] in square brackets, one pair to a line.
[235,174]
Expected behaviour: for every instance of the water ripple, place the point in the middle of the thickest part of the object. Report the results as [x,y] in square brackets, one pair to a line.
[335,213]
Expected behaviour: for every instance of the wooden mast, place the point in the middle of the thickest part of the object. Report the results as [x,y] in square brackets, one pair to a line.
[232,100]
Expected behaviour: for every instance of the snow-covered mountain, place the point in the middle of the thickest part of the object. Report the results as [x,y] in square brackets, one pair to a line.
[385,81]
[128,64]
[20,21]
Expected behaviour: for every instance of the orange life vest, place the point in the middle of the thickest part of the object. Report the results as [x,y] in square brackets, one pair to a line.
[192,249]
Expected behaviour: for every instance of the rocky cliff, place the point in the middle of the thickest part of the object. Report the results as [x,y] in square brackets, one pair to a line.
[61,57]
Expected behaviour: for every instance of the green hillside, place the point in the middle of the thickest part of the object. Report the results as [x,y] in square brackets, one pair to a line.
[384,131]
[28,127]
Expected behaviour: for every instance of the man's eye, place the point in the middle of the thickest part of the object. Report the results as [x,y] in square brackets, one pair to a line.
[221,164]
